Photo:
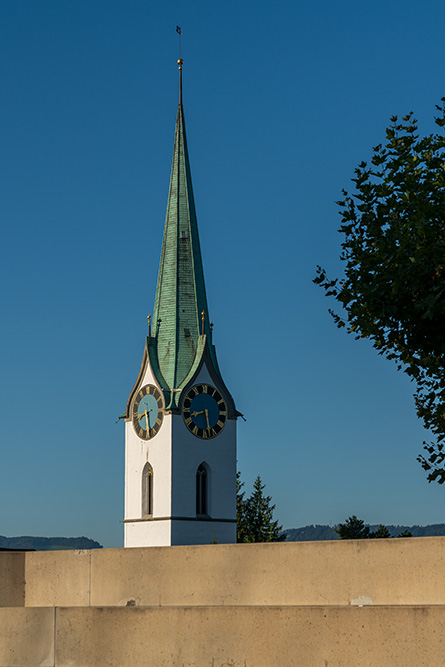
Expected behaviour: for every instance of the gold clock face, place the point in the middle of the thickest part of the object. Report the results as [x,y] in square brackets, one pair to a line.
[204,411]
[148,411]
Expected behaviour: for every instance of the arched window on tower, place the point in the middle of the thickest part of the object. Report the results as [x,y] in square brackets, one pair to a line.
[202,490]
[147,491]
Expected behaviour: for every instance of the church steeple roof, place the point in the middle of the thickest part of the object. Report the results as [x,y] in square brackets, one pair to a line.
[179,328]
[179,342]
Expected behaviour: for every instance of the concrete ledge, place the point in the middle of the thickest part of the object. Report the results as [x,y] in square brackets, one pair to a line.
[378,572]
[382,572]
[223,636]
[251,637]
[12,579]
[56,578]
[27,637]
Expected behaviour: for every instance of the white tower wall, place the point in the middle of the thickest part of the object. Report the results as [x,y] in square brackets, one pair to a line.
[174,455]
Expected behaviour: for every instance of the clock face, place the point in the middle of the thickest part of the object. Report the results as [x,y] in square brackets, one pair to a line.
[204,411]
[148,411]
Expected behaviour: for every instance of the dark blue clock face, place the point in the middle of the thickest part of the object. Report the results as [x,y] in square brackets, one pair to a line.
[204,411]
[148,411]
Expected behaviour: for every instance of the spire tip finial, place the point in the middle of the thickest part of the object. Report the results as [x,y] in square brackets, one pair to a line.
[180,63]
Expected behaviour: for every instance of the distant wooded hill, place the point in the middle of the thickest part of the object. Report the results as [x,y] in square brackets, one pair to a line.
[318,532]
[48,543]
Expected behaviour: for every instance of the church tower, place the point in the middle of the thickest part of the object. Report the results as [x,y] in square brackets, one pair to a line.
[180,430]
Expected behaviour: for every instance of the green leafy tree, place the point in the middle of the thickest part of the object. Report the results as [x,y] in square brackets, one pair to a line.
[255,522]
[352,529]
[393,289]
[381,532]
[406,533]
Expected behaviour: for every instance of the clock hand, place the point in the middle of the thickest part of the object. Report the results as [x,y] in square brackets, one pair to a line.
[195,414]
[207,418]
[146,421]
[144,414]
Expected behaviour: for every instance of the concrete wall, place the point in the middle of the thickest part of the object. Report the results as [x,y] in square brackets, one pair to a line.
[379,572]
[58,578]
[12,579]
[227,606]
[223,637]
[27,637]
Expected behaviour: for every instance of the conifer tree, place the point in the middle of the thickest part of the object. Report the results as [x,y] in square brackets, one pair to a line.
[381,532]
[355,529]
[258,523]
[406,533]
[352,529]
[241,518]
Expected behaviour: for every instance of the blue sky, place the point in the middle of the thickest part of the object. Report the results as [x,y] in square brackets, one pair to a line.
[281,103]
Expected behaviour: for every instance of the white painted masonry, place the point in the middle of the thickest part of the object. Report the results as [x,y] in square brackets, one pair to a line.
[175,454]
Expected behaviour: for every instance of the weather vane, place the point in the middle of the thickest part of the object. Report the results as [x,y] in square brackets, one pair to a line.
[179,31]
[180,64]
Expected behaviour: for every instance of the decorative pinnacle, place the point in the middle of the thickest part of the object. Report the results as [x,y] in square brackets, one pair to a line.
[149,325]
[203,317]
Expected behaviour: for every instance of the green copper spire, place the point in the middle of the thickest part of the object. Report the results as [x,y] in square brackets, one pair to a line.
[178,325]
[179,342]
